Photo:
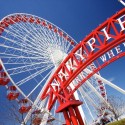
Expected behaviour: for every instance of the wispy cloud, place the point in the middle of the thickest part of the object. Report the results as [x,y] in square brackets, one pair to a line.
[111,79]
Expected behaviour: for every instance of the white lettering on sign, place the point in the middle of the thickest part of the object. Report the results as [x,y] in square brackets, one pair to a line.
[79,54]
[91,42]
[55,84]
[106,34]
[71,65]
[112,53]
[103,57]
[118,49]
[63,75]
[121,22]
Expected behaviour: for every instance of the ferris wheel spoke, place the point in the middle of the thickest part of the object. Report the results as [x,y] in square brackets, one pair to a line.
[90,112]
[31,33]
[97,93]
[18,57]
[20,26]
[45,33]
[89,92]
[16,30]
[38,34]
[93,81]
[86,92]
[23,52]
[66,43]
[87,96]
[90,102]
[32,76]
[13,41]
[26,68]
[19,51]
[54,41]
[22,59]
[18,71]
[25,39]
[9,55]
[27,62]
[91,98]
[42,32]
[51,34]
[38,84]
[87,89]
[52,37]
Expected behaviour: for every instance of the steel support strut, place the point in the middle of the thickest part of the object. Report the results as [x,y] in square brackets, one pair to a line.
[71,112]
[72,116]
[67,119]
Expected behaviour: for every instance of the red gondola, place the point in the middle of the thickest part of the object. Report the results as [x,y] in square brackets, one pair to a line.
[38,21]
[43,23]
[4,80]
[61,33]
[31,20]
[100,82]
[37,117]
[12,93]
[55,30]
[24,106]
[36,121]
[102,87]
[103,94]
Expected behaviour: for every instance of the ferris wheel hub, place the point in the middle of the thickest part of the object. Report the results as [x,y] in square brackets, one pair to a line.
[57,55]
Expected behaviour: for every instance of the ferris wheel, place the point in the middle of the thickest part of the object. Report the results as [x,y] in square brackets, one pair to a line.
[32,49]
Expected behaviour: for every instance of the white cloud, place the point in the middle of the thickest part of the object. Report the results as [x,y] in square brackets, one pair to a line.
[111,79]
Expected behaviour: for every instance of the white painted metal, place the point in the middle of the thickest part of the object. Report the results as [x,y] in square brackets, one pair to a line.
[122,2]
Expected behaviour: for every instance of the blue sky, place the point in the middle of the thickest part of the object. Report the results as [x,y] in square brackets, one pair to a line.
[77,17]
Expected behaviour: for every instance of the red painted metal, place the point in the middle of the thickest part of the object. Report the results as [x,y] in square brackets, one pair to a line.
[100,48]
[66,116]
[68,104]
[103,48]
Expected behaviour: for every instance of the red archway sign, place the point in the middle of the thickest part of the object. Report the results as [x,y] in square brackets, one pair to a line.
[102,46]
